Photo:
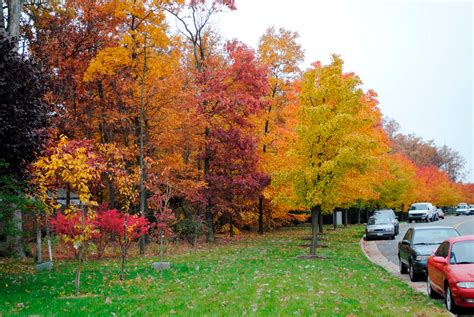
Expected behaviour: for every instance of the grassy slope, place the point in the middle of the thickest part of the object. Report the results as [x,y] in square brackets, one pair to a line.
[255,276]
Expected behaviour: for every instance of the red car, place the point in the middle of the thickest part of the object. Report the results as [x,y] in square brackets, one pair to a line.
[450,273]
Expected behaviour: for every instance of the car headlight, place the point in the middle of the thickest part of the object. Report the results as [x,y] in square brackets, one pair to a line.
[421,257]
[465,284]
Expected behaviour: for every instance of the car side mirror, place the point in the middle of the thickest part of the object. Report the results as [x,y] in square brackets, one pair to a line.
[406,242]
[440,259]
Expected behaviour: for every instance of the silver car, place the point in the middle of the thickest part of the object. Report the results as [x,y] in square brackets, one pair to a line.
[379,227]
[390,214]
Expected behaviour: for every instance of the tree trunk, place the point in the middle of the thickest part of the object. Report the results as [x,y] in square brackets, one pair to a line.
[320,222]
[15,241]
[231,226]
[210,228]
[208,213]
[358,216]
[14,14]
[111,192]
[260,215]
[48,239]
[39,251]
[142,141]
[345,218]
[162,253]
[123,249]
[314,229]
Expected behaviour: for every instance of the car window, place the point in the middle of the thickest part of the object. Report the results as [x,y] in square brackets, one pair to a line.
[443,249]
[408,235]
[433,236]
[462,252]
[379,221]
[419,207]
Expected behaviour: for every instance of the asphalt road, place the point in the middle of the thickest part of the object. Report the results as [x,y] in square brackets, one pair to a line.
[389,248]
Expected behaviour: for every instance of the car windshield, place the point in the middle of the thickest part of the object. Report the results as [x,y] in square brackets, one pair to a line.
[433,236]
[379,221]
[419,207]
[385,213]
[462,252]
[462,206]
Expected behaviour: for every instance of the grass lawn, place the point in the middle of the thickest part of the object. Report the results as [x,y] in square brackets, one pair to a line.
[251,276]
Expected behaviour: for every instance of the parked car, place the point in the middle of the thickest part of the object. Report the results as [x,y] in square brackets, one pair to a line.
[462,209]
[391,214]
[421,212]
[450,273]
[471,210]
[417,244]
[379,227]
[440,213]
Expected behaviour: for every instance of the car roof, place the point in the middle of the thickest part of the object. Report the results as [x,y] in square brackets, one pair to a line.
[433,227]
[462,238]
[382,210]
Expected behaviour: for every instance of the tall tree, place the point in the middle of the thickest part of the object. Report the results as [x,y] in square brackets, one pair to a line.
[280,52]
[336,136]
[23,122]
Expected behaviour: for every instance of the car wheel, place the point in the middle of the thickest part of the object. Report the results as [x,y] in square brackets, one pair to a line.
[392,237]
[429,289]
[449,302]
[403,268]
[411,272]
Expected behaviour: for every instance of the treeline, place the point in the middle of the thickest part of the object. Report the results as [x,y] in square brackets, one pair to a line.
[189,131]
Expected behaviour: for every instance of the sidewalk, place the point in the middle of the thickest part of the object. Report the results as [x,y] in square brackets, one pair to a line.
[373,254]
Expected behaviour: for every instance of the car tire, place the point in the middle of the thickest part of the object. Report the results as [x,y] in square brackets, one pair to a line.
[402,267]
[448,300]
[411,273]
[392,237]
[429,289]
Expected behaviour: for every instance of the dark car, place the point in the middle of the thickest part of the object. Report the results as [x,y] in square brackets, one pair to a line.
[419,243]
[388,213]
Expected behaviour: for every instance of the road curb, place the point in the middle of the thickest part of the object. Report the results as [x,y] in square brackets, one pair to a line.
[372,253]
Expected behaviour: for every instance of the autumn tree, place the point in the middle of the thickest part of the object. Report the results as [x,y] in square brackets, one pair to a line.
[23,125]
[74,165]
[425,153]
[336,136]
[279,51]
[194,18]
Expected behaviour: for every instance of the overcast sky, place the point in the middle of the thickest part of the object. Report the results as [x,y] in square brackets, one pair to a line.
[417,55]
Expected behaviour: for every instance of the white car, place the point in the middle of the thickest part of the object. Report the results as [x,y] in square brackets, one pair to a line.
[462,209]
[422,212]
[471,210]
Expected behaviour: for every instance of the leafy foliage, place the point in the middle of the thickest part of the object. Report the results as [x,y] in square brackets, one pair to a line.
[23,112]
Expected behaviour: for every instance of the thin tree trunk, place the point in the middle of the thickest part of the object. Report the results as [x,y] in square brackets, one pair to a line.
[161,245]
[14,14]
[320,222]
[15,241]
[208,213]
[142,140]
[79,255]
[123,249]
[48,239]
[260,215]
[39,251]
[314,229]
[231,226]
[358,216]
